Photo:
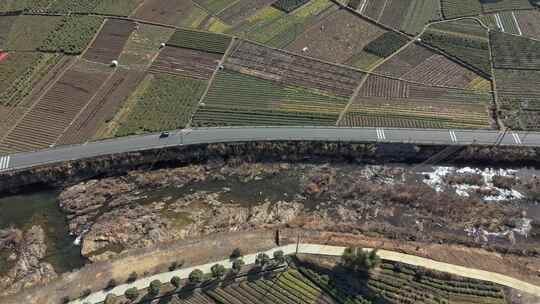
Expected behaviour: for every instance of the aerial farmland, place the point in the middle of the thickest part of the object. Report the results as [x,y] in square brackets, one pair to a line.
[270,151]
[320,62]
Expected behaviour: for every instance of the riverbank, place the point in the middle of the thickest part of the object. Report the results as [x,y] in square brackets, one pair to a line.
[71,172]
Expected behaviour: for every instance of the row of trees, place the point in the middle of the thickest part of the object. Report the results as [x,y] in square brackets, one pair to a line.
[197,277]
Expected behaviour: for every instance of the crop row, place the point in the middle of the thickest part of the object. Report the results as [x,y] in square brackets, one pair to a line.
[22,85]
[290,69]
[203,41]
[166,104]
[386,44]
[326,284]
[289,5]
[470,51]
[72,35]
[459,8]
[238,99]
[514,52]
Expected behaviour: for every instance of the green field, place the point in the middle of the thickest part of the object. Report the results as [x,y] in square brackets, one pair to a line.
[202,41]
[307,283]
[273,27]
[72,35]
[505,5]
[386,44]
[465,40]
[17,5]
[107,7]
[27,33]
[236,99]
[21,71]
[514,52]
[166,103]
[460,8]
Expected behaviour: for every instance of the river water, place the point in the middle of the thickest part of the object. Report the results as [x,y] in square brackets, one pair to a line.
[41,208]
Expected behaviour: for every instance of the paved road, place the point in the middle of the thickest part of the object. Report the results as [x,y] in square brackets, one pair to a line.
[99,296]
[238,134]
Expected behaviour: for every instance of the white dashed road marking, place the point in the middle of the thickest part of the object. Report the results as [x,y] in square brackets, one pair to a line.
[516,138]
[517,24]
[453,136]
[499,22]
[380,134]
[4,162]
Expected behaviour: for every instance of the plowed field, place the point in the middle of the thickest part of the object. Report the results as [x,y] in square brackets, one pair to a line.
[110,41]
[186,62]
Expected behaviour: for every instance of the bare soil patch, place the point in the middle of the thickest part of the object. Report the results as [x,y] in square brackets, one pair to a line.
[186,62]
[102,107]
[290,69]
[336,38]
[110,41]
[171,12]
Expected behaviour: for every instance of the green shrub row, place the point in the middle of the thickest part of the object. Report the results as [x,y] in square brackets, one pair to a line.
[386,44]
[202,41]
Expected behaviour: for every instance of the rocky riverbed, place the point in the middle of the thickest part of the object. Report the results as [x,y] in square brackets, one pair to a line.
[23,253]
[142,208]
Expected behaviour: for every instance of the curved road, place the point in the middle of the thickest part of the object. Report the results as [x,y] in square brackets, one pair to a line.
[243,134]
[327,250]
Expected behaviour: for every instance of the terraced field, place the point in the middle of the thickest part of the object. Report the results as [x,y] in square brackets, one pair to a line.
[386,102]
[186,62]
[236,99]
[287,48]
[330,39]
[165,102]
[276,28]
[110,41]
[519,95]
[514,52]
[53,113]
[422,65]
[464,40]
[290,69]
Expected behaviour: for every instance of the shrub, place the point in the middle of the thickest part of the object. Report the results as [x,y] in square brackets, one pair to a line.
[236,253]
[111,284]
[279,257]
[173,266]
[237,265]
[132,277]
[386,44]
[218,271]
[65,300]
[196,276]
[110,299]
[154,287]
[175,281]
[132,293]
[358,260]
[262,260]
